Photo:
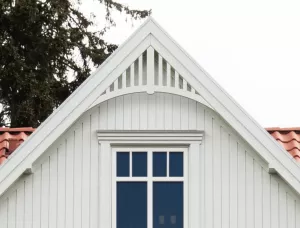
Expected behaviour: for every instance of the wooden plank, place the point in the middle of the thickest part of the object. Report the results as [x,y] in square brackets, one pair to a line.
[266,199]
[168,111]
[176,112]
[176,80]
[135,115]
[200,116]
[103,109]
[20,205]
[86,170]
[94,172]
[282,206]
[194,185]
[70,158]
[143,111]
[209,188]
[151,111]
[28,202]
[184,113]
[45,194]
[258,201]
[124,80]
[160,71]
[119,112]
[184,85]
[105,186]
[111,111]
[53,191]
[168,75]
[249,191]
[225,164]
[291,212]
[4,212]
[274,203]
[12,210]
[127,112]
[132,75]
[159,111]
[37,198]
[241,186]
[150,69]
[217,171]
[78,153]
[141,70]
[233,160]
[192,110]
[61,185]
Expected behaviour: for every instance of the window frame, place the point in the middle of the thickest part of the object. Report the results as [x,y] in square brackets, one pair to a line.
[149,179]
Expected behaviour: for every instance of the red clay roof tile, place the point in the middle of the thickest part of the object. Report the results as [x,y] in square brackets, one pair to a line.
[289,138]
[10,139]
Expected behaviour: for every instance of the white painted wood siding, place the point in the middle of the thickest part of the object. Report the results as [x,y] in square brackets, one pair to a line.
[236,190]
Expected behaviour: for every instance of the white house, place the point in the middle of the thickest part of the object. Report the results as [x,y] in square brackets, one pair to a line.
[150,140]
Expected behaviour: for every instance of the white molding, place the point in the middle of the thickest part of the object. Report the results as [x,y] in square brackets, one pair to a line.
[158,136]
[155,89]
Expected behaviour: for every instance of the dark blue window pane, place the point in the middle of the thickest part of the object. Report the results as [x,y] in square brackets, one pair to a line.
[176,164]
[123,164]
[168,205]
[139,164]
[131,205]
[159,164]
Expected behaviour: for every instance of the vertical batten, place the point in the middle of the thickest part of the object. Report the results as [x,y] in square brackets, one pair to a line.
[140,70]
[116,84]
[176,80]
[168,75]
[150,70]
[184,85]
[160,70]
[123,80]
[192,90]
[105,186]
[194,185]
[132,75]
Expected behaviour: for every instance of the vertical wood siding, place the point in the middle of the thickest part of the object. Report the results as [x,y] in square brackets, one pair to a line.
[236,189]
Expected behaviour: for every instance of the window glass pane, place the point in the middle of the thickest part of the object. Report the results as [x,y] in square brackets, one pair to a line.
[176,164]
[123,164]
[131,205]
[159,164]
[139,164]
[168,204]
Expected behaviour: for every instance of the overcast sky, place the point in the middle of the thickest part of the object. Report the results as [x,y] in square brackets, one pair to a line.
[250,47]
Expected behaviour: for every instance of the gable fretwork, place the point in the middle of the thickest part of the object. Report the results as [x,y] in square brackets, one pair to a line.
[150,73]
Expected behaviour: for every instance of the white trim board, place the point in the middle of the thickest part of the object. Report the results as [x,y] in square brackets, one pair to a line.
[149,34]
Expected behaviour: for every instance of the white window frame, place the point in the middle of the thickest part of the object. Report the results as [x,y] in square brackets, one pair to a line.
[150,179]
[189,139]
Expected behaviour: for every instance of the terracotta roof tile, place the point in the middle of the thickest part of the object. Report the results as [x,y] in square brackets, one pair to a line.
[289,138]
[10,139]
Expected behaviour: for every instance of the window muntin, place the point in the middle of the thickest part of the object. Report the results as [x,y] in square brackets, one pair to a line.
[171,158]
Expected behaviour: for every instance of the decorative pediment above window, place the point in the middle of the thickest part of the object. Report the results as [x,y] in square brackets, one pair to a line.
[155,136]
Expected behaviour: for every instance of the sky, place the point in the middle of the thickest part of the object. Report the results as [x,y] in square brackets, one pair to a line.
[250,47]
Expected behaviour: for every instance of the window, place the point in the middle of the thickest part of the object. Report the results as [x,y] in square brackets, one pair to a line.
[149,187]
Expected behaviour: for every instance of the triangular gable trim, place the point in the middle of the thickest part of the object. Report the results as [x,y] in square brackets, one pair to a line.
[84,97]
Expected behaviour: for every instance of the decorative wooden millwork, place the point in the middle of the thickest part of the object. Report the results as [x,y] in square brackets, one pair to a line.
[150,73]
[138,74]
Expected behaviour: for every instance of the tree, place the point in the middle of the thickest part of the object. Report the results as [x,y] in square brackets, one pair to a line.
[42,43]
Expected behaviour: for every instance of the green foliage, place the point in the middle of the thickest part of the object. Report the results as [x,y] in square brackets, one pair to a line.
[42,43]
